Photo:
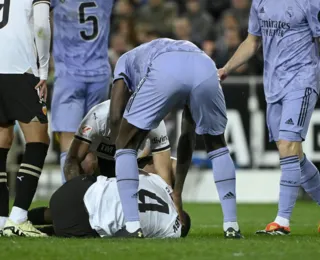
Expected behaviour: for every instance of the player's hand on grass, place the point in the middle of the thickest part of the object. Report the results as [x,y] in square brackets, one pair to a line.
[42,90]
[177,199]
[223,74]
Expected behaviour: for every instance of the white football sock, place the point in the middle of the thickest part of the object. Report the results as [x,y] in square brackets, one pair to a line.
[132,226]
[3,221]
[233,225]
[18,215]
[282,221]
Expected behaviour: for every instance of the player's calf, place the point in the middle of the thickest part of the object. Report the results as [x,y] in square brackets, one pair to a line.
[37,144]
[6,138]
[225,180]
[289,151]
[127,144]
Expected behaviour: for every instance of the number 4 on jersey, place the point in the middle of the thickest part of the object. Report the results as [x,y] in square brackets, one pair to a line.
[162,206]
[4,13]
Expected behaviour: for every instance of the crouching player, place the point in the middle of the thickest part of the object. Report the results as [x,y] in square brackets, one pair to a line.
[93,150]
[87,206]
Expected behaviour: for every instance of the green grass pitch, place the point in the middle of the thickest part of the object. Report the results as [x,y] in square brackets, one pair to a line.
[205,240]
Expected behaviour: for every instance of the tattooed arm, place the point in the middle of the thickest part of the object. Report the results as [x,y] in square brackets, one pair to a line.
[77,153]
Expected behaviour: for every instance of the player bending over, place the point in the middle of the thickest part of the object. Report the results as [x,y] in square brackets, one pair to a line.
[93,140]
[88,206]
[82,69]
[289,30]
[160,76]
[24,24]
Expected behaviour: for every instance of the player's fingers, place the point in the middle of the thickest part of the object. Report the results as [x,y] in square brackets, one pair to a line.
[45,91]
[39,84]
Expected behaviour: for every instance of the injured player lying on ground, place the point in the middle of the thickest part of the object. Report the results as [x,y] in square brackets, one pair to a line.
[87,206]
[93,149]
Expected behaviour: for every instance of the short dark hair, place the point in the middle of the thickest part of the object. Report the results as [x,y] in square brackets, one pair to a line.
[187,224]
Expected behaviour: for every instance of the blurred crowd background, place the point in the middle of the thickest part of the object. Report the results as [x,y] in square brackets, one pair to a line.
[216,26]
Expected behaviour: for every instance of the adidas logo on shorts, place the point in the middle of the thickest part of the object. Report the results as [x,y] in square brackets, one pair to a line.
[289,122]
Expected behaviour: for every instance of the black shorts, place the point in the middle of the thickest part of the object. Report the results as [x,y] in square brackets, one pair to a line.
[19,99]
[69,215]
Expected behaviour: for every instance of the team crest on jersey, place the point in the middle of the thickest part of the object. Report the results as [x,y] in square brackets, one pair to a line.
[62,1]
[289,13]
[86,130]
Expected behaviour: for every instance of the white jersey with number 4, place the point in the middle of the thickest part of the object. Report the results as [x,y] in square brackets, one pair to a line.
[158,216]
[94,130]
[18,53]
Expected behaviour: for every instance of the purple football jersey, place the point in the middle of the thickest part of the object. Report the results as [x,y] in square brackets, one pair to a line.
[291,53]
[80,41]
[132,66]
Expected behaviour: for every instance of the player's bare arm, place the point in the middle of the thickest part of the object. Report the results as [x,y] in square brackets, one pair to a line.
[42,34]
[163,165]
[185,149]
[77,153]
[245,51]
[119,98]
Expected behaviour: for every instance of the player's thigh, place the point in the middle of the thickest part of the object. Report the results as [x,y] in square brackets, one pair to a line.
[97,92]
[130,136]
[68,104]
[208,108]
[21,101]
[68,212]
[298,107]
[157,95]
[273,119]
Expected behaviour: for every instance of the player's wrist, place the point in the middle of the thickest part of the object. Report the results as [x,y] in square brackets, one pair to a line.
[226,69]
[43,73]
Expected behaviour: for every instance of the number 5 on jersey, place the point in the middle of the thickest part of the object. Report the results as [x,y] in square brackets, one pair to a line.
[88,19]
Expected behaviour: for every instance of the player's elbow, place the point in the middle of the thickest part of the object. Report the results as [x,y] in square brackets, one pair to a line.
[252,43]
[42,31]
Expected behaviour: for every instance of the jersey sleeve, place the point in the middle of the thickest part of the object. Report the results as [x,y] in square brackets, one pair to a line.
[121,72]
[254,27]
[87,128]
[313,16]
[42,32]
[35,2]
[159,140]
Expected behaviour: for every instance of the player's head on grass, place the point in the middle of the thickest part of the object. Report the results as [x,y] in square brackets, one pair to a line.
[187,224]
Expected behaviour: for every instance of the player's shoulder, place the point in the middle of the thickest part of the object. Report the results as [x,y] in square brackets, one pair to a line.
[256,3]
[307,4]
[101,108]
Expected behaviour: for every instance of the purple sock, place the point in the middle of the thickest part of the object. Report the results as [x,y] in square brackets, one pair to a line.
[225,178]
[289,185]
[128,182]
[310,179]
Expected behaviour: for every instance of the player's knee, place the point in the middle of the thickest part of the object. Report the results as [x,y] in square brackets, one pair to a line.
[213,143]
[41,138]
[289,148]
